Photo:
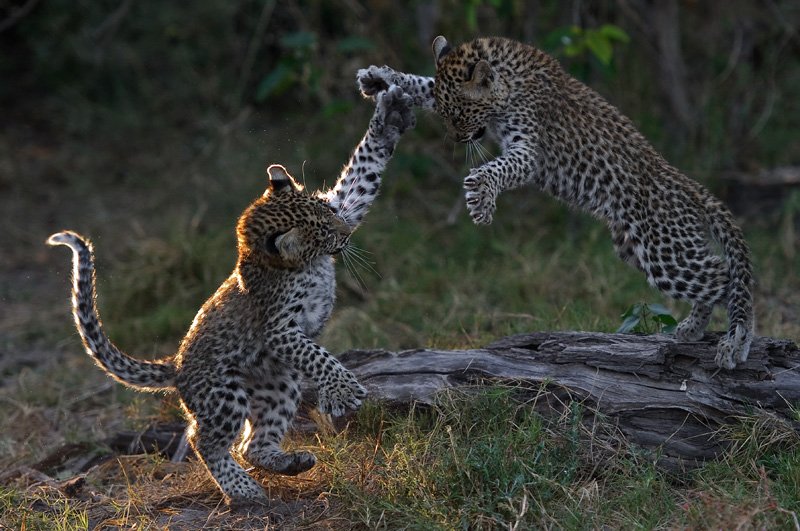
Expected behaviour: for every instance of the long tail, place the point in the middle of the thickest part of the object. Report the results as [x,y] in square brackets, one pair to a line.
[143,375]
[740,283]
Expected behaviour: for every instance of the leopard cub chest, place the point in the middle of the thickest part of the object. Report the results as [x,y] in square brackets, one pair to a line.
[315,294]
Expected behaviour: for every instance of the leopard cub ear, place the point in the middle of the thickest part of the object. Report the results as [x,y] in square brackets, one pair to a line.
[440,49]
[287,244]
[480,84]
[280,180]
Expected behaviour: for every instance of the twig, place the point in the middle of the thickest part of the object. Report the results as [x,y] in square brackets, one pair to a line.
[252,49]
[110,24]
[17,15]
[182,449]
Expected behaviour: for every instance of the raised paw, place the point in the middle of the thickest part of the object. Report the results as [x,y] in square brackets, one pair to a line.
[374,79]
[340,392]
[393,113]
[480,197]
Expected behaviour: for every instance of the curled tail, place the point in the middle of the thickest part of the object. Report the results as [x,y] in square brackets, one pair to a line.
[741,321]
[125,369]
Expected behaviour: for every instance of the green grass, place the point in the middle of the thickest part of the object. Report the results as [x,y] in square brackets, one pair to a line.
[485,460]
[19,510]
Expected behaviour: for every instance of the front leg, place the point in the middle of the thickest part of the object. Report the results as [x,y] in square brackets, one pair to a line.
[483,184]
[337,387]
[360,179]
[375,79]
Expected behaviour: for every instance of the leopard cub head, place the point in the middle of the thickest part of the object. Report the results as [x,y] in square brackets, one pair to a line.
[287,228]
[469,91]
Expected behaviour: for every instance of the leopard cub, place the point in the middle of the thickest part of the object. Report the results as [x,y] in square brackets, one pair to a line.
[562,137]
[238,369]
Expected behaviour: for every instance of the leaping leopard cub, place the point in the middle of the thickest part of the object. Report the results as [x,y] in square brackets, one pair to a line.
[240,364]
[560,135]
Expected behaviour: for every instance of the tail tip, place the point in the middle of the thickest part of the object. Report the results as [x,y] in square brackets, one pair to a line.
[66,237]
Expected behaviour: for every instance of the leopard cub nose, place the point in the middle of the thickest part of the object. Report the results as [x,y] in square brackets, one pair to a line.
[341,227]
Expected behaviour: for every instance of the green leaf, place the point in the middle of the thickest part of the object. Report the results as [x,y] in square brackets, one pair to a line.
[337,107]
[574,49]
[471,14]
[665,319]
[614,33]
[557,38]
[629,324]
[299,40]
[667,323]
[658,309]
[668,329]
[633,309]
[354,43]
[276,82]
[600,46]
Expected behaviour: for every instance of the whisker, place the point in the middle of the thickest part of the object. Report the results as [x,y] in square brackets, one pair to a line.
[351,268]
[364,263]
[474,150]
[485,151]
[359,249]
[480,150]
[362,258]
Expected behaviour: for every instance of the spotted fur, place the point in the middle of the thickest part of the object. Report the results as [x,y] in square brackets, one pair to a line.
[240,365]
[561,136]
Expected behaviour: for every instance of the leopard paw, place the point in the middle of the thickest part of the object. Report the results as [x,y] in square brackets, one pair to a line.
[734,347]
[339,393]
[374,79]
[688,331]
[274,460]
[480,197]
[393,113]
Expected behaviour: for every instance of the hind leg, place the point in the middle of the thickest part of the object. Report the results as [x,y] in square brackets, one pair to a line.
[706,286]
[693,327]
[703,280]
[735,346]
[273,403]
[218,412]
[626,245]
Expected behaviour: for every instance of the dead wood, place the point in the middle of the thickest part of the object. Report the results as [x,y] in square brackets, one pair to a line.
[660,393]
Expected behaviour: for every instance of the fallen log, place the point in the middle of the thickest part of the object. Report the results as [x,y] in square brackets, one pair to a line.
[661,394]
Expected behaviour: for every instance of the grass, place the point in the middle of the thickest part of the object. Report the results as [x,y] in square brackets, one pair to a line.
[478,459]
[486,461]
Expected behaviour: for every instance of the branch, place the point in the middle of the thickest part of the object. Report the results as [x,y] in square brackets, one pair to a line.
[661,394]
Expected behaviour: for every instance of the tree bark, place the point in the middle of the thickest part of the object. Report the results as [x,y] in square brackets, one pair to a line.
[661,394]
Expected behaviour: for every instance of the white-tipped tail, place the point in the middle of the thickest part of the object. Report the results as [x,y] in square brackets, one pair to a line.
[127,370]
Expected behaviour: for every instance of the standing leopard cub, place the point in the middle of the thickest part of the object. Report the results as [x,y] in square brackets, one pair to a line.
[560,135]
[240,365]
